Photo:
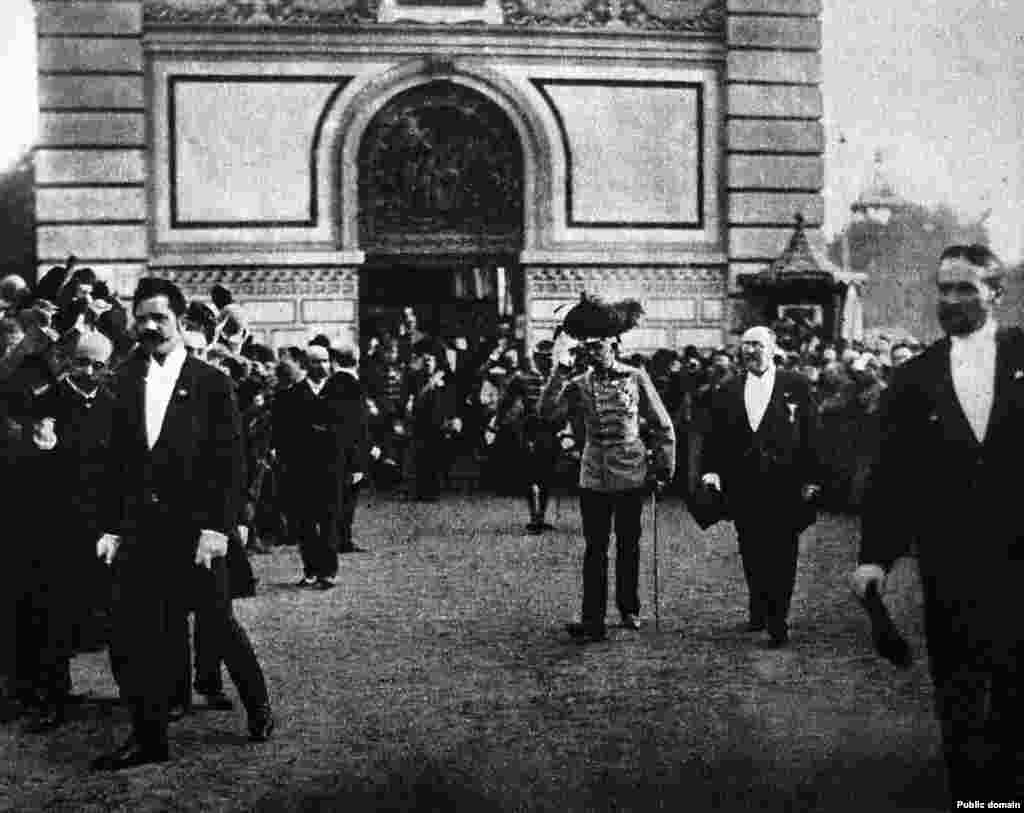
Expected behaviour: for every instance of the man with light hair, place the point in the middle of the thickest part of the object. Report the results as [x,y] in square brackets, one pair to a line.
[760,454]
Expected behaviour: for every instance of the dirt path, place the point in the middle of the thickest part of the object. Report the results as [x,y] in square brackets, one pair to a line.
[436,676]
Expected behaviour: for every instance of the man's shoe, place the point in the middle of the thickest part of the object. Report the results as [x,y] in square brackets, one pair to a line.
[353,549]
[130,755]
[325,583]
[631,621]
[306,581]
[777,639]
[179,710]
[261,726]
[534,529]
[218,701]
[754,626]
[47,720]
[585,633]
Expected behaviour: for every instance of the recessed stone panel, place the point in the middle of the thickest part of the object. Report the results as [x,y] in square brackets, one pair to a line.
[93,129]
[699,337]
[57,92]
[90,204]
[770,135]
[90,166]
[261,311]
[774,66]
[774,32]
[775,101]
[795,7]
[89,17]
[635,152]
[99,54]
[762,244]
[328,310]
[101,242]
[805,173]
[773,208]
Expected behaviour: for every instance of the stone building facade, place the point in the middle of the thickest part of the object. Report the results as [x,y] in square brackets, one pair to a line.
[325,158]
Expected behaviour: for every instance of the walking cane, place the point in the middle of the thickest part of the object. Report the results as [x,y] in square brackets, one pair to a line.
[654,524]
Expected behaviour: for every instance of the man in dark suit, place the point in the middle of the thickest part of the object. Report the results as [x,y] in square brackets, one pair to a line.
[436,423]
[953,429]
[760,453]
[174,483]
[352,439]
[302,431]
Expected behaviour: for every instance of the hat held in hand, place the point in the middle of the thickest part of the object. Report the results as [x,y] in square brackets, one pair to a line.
[593,318]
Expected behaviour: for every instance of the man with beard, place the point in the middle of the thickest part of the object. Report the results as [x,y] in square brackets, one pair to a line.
[760,454]
[174,484]
[71,435]
[615,473]
[953,428]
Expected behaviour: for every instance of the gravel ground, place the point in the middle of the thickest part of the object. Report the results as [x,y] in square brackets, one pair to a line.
[437,676]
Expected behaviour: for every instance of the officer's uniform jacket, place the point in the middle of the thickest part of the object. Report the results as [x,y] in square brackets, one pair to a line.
[612,406]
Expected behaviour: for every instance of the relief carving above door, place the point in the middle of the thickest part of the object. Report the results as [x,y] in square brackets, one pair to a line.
[441,167]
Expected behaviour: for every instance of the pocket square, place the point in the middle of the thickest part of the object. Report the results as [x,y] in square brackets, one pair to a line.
[933,418]
[1018,374]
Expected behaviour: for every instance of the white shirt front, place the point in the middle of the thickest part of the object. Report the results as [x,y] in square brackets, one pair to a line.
[317,386]
[160,382]
[757,392]
[972,361]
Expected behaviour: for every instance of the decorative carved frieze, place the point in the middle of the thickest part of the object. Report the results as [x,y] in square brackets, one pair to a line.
[691,16]
[704,17]
[268,282]
[643,282]
[260,12]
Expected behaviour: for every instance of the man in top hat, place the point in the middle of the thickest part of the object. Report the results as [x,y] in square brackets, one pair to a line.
[615,474]
[174,482]
[945,480]
[760,453]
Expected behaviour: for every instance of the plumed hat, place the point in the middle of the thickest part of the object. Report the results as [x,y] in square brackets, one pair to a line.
[592,318]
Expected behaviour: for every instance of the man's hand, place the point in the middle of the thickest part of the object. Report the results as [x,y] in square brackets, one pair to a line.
[810,492]
[357,477]
[712,480]
[863,576]
[212,544]
[106,547]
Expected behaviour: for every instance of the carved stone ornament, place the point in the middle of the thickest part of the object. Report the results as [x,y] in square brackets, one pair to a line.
[702,17]
[313,13]
[440,160]
[689,16]
[654,282]
[268,282]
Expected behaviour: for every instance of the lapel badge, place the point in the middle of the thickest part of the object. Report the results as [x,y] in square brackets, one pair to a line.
[933,418]
[791,406]
[182,393]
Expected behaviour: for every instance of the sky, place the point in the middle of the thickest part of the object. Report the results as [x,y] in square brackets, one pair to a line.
[937,86]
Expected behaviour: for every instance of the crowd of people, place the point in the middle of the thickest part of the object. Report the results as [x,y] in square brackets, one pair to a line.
[147,474]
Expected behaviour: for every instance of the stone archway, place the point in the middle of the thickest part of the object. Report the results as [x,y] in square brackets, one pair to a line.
[441,208]
[440,171]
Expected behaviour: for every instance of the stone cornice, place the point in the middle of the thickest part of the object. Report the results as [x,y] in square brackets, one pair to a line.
[591,15]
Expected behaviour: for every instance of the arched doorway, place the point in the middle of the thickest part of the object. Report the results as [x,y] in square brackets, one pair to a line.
[441,213]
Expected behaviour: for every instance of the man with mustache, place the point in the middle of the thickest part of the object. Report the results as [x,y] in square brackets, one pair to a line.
[761,455]
[174,485]
[953,430]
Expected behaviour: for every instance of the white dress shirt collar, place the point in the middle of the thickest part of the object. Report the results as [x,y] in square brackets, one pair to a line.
[161,379]
[757,392]
[316,388]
